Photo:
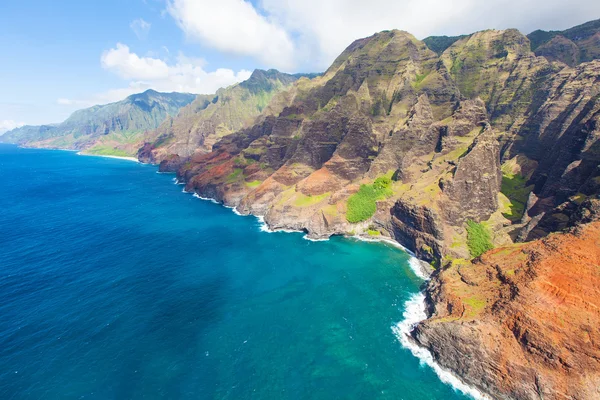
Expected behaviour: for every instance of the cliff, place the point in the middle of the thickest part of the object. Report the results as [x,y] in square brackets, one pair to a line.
[202,123]
[481,143]
[485,132]
[523,321]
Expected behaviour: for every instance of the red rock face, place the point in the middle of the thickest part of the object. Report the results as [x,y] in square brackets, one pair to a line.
[523,321]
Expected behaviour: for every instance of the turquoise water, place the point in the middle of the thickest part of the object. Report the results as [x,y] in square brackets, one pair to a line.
[116,285]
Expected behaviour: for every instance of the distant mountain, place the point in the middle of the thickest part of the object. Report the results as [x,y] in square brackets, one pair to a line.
[114,129]
[572,46]
[210,117]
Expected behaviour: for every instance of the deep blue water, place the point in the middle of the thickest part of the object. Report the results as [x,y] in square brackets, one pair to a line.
[116,285]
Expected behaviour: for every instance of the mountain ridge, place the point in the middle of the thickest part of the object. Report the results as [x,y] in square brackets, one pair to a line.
[484,145]
[104,129]
[451,148]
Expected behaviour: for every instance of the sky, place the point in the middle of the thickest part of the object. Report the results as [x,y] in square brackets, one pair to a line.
[60,56]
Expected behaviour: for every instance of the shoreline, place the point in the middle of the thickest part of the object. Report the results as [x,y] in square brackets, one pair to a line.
[79,153]
[414,308]
[414,312]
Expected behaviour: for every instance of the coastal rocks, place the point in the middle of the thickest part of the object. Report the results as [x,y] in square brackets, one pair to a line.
[521,322]
[417,228]
[144,154]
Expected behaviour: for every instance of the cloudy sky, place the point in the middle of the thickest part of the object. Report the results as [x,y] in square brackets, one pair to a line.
[59,56]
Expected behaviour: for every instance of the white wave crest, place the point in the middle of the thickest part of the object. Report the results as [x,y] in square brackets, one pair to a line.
[114,157]
[306,237]
[414,312]
[263,227]
[235,210]
[415,264]
[196,195]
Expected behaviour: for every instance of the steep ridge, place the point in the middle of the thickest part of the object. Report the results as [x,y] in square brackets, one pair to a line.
[486,144]
[474,143]
[199,125]
[523,322]
[449,131]
[112,129]
[571,46]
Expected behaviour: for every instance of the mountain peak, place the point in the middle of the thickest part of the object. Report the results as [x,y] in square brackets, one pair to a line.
[265,80]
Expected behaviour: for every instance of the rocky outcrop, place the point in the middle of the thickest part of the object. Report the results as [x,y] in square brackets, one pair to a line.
[522,322]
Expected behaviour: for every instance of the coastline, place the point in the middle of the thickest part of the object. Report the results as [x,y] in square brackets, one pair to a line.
[79,153]
[414,312]
[414,308]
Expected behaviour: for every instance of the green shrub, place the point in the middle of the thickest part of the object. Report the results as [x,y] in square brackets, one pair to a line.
[478,239]
[253,184]
[381,183]
[235,175]
[515,188]
[362,205]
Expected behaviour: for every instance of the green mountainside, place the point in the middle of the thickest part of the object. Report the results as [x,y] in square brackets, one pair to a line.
[486,132]
[111,129]
[439,44]
[203,122]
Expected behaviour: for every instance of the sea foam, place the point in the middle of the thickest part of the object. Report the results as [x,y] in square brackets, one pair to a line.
[414,312]
[235,210]
[196,195]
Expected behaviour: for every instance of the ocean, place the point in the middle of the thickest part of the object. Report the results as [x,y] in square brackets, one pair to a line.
[116,285]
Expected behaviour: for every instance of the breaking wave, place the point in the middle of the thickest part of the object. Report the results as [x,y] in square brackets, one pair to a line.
[414,312]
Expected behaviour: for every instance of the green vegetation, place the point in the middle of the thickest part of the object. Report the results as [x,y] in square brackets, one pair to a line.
[515,189]
[373,232]
[255,151]
[303,200]
[440,43]
[253,184]
[478,239]
[234,176]
[476,305]
[362,205]
[101,150]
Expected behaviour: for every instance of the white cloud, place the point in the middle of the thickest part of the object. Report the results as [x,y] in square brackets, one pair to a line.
[325,28]
[8,125]
[141,28]
[309,34]
[129,65]
[234,26]
[185,75]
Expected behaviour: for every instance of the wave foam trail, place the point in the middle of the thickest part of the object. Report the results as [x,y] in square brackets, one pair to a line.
[263,225]
[413,314]
[234,209]
[417,268]
[196,195]
[306,237]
